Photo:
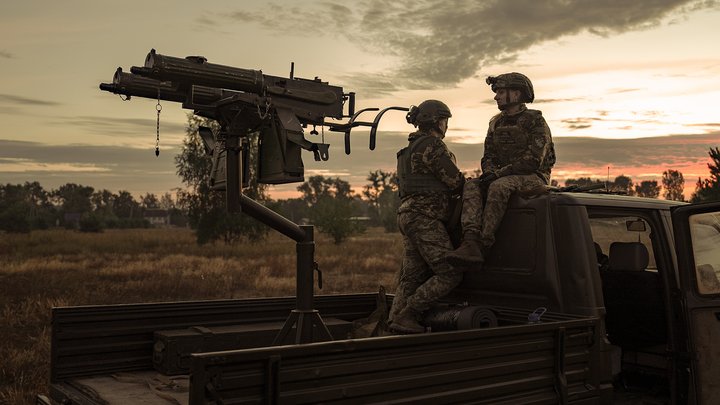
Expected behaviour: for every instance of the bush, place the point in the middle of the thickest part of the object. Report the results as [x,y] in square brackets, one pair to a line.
[90,223]
[15,219]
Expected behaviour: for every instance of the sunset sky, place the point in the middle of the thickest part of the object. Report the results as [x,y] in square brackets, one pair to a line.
[633,86]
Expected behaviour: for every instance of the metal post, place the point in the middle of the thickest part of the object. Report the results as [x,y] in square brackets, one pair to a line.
[305,267]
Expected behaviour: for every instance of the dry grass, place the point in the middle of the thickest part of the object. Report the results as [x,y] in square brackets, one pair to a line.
[60,268]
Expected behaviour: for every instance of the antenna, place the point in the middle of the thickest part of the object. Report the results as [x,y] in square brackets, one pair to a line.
[607,181]
[292,70]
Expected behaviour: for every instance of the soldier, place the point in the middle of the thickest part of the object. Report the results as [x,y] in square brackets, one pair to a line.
[427,175]
[519,155]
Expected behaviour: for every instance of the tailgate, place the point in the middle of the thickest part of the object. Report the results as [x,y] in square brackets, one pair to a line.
[539,363]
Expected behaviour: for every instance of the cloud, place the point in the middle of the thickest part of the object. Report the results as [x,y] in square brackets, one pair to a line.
[9,98]
[111,167]
[579,123]
[5,54]
[141,127]
[620,91]
[139,171]
[439,43]
[557,100]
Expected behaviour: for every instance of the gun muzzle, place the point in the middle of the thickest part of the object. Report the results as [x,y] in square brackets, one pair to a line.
[194,70]
[129,85]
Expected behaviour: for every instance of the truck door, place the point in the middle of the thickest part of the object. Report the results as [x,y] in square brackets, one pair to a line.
[697,243]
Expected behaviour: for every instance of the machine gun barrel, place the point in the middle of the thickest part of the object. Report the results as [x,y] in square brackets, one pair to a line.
[196,70]
[129,84]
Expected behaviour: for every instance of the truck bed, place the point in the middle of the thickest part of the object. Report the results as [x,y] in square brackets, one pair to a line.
[103,355]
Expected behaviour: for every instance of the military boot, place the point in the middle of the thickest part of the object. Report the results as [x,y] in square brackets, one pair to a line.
[406,321]
[470,252]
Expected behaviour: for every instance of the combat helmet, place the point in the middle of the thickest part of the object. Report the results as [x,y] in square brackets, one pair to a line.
[429,112]
[514,80]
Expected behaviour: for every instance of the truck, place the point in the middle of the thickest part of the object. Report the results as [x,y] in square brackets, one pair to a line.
[586,298]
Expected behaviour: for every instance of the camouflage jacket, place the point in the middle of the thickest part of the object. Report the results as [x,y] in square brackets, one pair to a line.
[433,157]
[519,144]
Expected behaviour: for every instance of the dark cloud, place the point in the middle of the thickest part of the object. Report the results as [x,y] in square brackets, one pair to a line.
[119,126]
[111,167]
[592,155]
[653,151]
[11,99]
[5,54]
[439,43]
[139,171]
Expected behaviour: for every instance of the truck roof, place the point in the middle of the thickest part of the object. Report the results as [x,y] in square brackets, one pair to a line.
[613,200]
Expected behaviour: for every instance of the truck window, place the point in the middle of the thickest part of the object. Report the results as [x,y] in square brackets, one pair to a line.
[606,230]
[705,233]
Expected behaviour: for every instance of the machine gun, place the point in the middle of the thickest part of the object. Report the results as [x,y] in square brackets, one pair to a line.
[244,101]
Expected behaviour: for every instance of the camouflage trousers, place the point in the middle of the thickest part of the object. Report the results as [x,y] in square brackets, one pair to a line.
[425,276]
[485,220]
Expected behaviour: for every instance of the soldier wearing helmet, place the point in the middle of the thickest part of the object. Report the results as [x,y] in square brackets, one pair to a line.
[427,176]
[519,156]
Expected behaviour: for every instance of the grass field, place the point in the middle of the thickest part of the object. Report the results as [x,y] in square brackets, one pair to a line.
[52,268]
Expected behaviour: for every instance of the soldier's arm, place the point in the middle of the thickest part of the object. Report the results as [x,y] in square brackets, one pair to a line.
[539,143]
[488,160]
[441,163]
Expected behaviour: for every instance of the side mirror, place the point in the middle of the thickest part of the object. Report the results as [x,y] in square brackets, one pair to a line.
[637,225]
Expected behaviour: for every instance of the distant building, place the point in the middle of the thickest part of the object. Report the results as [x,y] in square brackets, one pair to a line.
[157,217]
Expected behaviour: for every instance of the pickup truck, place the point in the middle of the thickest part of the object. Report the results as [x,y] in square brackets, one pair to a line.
[587,298]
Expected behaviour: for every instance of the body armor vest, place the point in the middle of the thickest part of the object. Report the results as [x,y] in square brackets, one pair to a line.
[411,183]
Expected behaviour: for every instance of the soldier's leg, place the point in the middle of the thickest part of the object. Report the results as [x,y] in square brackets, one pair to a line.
[469,253]
[414,270]
[472,208]
[498,195]
[433,245]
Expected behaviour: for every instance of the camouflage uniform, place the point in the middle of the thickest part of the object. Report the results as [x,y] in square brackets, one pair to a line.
[425,275]
[519,149]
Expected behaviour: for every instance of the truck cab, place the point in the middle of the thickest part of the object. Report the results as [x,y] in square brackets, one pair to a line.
[649,268]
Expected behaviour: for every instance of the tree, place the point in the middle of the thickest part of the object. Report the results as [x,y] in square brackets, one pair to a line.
[125,206]
[206,208]
[167,202]
[149,200]
[648,188]
[102,202]
[74,198]
[581,182]
[674,184]
[622,184]
[330,203]
[709,189]
[382,195]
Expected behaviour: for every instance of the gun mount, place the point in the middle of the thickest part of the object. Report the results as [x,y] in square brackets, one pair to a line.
[245,101]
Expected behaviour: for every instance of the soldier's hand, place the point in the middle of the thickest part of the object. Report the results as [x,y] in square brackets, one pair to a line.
[487,177]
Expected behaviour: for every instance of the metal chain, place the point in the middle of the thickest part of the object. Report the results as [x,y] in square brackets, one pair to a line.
[267,110]
[158,108]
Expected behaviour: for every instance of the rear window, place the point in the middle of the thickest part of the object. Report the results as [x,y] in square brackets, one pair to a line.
[606,230]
